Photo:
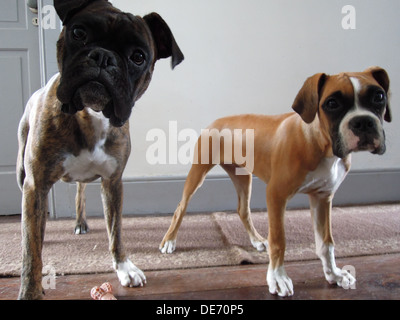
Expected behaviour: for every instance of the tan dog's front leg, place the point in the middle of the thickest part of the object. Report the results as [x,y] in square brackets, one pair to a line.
[112,194]
[277,279]
[321,207]
[34,209]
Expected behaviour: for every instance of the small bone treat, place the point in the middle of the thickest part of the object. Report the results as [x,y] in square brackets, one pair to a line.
[104,292]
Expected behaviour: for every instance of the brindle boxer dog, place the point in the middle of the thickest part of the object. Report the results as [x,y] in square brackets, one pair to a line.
[76,129]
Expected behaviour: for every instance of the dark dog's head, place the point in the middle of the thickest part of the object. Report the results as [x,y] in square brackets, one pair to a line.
[106,57]
[351,108]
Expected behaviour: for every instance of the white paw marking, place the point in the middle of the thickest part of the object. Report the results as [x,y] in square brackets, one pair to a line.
[279,283]
[168,247]
[332,273]
[341,277]
[260,245]
[129,275]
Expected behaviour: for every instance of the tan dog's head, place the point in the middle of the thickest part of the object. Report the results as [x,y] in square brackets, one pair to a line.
[350,106]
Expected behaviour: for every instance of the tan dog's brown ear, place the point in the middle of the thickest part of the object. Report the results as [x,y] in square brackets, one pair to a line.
[381,76]
[307,100]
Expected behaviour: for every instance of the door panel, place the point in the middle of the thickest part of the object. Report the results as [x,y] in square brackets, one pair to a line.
[19,78]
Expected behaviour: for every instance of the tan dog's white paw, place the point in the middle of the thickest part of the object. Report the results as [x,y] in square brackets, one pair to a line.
[279,283]
[260,245]
[129,275]
[168,247]
[341,277]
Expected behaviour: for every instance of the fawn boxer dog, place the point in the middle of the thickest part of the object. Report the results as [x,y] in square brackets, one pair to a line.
[306,151]
[76,129]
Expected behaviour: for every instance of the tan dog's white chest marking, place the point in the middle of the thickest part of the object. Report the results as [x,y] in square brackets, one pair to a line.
[327,178]
[89,164]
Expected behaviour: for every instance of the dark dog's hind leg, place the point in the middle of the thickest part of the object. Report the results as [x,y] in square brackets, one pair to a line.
[81,226]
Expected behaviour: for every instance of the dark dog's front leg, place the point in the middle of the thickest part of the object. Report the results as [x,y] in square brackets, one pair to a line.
[112,194]
[34,209]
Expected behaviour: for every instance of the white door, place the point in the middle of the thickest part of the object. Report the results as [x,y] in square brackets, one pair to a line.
[19,78]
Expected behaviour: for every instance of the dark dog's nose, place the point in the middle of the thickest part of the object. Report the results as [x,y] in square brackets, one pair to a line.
[362,124]
[103,58]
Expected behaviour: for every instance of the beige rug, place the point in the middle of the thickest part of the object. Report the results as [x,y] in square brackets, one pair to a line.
[204,240]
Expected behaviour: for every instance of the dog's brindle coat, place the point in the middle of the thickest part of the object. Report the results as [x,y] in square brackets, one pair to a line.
[76,129]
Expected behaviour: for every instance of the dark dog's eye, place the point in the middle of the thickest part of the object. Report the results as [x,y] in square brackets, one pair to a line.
[138,58]
[79,34]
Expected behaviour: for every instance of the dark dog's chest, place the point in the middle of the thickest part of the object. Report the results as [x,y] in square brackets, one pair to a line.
[91,163]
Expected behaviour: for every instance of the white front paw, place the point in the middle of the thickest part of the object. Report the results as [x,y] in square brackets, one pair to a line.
[341,277]
[279,283]
[129,275]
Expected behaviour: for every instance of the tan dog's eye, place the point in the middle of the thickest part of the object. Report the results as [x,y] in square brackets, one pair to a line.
[379,97]
[332,104]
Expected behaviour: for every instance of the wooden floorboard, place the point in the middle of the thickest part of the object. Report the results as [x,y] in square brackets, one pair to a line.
[378,277]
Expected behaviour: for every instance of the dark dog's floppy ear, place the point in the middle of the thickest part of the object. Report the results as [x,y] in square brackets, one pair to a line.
[307,100]
[66,8]
[381,76]
[164,40]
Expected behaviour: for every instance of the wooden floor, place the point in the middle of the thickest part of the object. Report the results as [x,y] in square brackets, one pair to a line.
[378,277]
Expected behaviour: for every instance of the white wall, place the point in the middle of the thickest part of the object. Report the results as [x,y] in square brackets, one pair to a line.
[252,57]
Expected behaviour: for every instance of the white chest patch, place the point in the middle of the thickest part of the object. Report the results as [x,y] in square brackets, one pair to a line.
[90,164]
[326,178]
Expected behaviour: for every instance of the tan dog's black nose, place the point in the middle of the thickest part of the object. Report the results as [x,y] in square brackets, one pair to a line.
[362,124]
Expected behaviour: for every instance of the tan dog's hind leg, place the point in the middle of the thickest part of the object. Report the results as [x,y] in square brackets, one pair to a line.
[81,226]
[321,216]
[194,180]
[242,184]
